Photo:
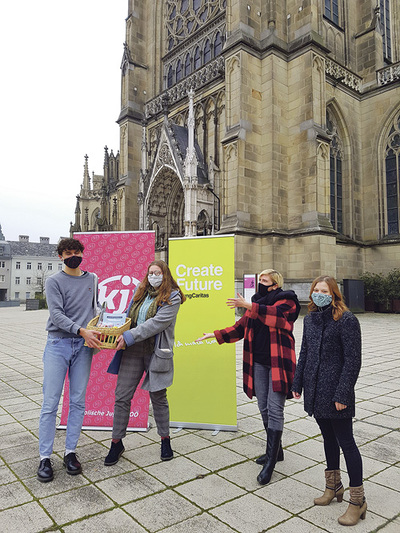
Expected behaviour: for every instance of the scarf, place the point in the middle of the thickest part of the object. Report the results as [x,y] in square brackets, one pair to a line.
[151,312]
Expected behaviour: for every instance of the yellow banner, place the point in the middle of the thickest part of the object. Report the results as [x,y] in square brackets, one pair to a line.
[203,394]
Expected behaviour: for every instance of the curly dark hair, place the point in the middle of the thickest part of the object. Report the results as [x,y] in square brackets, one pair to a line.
[69,244]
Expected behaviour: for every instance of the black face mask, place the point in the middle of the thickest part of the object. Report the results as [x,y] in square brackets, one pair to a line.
[263,289]
[73,262]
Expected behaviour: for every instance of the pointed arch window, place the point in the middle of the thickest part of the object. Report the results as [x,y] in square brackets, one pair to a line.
[386,33]
[207,51]
[392,178]
[197,58]
[217,44]
[335,176]
[188,65]
[170,77]
[178,71]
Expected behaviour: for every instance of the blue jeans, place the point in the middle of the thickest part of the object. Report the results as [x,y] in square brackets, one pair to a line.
[270,403]
[59,356]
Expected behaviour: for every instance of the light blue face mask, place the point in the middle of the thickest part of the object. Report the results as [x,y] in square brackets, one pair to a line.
[320,299]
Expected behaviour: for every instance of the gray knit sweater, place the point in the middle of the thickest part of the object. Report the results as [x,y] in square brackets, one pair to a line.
[70,302]
[329,364]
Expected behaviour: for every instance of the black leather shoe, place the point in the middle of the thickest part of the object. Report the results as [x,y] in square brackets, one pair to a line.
[72,464]
[45,471]
[116,450]
[166,451]
[261,460]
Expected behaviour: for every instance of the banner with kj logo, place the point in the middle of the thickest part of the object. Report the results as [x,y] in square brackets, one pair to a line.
[203,394]
[120,260]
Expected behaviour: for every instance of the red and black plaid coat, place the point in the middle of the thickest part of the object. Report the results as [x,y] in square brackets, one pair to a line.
[280,318]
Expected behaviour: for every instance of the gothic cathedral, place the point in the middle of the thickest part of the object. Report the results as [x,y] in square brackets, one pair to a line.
[278,122]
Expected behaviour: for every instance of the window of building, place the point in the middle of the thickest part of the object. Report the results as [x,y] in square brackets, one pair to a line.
[207,51]
[2,278]
[18,265]
[39,266]
[187,65]
[29,265]
[392,178]
[28,281]
[178,70]
[17,281]
[335,176]
[49,266]
[2,264]
[38,280]
[197,58]
[170,77]
[27,295]
[217,44]
[332,10]
[16,295]
[386,33]
[59,267]
[1,250]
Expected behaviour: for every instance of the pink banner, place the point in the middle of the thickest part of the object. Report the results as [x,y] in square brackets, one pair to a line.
[120,260]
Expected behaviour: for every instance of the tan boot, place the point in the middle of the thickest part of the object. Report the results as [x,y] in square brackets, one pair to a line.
[333,488]
[357,507]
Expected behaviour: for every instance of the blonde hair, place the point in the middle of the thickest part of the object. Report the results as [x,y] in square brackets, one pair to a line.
[275,276]
[338,305]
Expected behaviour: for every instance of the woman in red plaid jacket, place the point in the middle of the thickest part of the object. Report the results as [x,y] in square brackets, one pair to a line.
[269,359]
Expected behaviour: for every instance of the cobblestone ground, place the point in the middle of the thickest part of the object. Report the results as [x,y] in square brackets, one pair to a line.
[211,483]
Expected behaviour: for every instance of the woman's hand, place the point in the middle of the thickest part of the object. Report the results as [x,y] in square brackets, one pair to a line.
[205,336]
[340,406]
[296,395]
[238,302]
[121,343]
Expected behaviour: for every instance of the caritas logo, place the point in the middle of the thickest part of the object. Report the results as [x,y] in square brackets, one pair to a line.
[116,291]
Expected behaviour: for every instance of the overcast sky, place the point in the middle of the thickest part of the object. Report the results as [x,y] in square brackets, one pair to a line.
[60,99]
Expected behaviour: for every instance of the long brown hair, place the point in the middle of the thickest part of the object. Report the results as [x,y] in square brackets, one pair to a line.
[164,291]
[338,305]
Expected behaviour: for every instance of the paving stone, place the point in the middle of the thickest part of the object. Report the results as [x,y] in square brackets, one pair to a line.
[13,494]
[381,500]
[28,518]
[189,443]
[146,455]
[216,457]
[295,525]
[161,510]
[115,521]
[389,477]
[199,524]
[250,514]
[77,503]
[130,486]
[176,471]
[6,475]
[209,491]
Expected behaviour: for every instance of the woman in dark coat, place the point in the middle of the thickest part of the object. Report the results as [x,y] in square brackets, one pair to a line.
[327,371]
[269,358]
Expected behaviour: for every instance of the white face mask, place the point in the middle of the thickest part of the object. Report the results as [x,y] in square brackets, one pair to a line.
[155,281]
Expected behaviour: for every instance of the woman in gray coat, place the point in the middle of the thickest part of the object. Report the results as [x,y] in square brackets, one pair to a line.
[147,347]
[327,371]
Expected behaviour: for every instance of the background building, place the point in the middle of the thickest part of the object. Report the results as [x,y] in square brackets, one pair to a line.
[276,121]
[25,266]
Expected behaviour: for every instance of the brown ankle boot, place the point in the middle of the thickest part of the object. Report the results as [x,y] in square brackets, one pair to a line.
[333,488]
[357,507]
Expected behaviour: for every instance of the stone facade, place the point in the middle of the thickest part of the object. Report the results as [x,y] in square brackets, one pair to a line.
[276,121]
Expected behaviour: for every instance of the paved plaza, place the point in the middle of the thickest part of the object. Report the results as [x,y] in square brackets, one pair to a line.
[210,485]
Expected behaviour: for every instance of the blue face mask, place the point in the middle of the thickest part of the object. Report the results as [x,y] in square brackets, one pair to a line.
[320,299]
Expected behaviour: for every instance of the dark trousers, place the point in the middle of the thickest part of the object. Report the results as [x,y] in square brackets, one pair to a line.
[338,433]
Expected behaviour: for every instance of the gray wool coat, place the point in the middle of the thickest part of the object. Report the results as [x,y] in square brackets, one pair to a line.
[160,372]
[329,364]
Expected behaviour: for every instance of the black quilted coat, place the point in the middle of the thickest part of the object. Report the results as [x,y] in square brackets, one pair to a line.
[329,364]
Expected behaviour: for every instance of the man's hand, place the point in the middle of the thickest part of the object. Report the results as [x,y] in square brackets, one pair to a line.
[91,337]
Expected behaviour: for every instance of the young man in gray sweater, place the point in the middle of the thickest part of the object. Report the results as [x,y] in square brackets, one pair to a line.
[72,302]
